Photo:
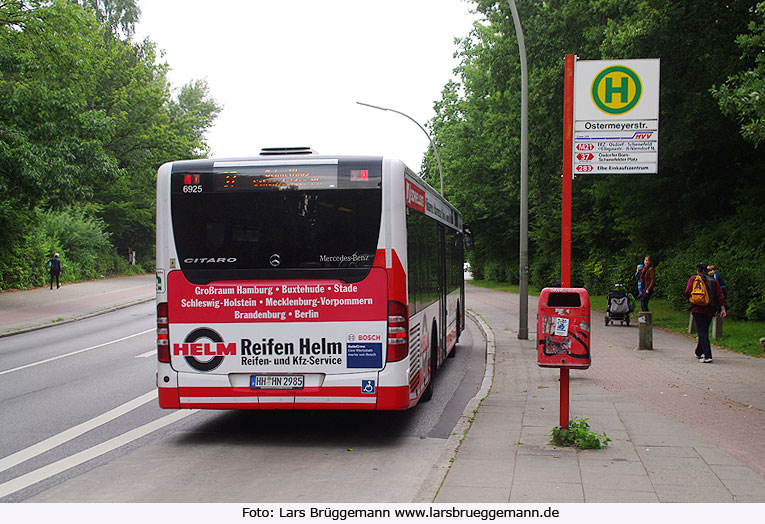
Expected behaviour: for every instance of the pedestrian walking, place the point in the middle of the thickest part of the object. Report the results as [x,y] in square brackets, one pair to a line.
[648,279]
[703,314]
[639,277]
[54,267]
[712,271]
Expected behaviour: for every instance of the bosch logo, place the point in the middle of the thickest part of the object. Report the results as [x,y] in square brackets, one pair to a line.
[204,342]
[360,338]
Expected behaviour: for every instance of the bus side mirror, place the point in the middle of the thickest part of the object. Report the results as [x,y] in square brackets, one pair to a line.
[469,242]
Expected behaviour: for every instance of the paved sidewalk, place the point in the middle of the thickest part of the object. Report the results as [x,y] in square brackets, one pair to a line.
[682,431]
[22,311]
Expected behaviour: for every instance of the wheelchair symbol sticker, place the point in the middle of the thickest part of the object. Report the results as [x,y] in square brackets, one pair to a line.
[368,387]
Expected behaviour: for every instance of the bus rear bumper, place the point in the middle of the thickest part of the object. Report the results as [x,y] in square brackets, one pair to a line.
[385,398]
[334,393]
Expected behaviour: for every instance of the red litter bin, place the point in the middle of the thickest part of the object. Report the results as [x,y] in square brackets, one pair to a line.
[563,328]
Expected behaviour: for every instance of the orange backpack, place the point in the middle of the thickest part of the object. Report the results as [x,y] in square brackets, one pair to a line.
[699,293]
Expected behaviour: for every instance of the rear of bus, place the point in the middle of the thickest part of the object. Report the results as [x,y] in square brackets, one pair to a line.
[272,286]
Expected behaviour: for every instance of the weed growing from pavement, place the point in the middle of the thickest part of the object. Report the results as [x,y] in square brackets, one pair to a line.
[578,435]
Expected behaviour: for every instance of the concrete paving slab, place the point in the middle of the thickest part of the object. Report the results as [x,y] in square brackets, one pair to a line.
[744,487]
[691,464]
[713,455]
[545,468]
[482,472]
[686,477]
[695,492]
[619,449]
[624,496]
[472,494]
[742,473]
[667,440]
[616,480]
[604,468]
[529,492]
[486,447]
[667,451]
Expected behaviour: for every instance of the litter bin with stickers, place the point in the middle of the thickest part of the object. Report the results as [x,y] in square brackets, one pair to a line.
[563,328]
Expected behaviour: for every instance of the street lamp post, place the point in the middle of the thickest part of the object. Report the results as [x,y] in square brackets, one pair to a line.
[435,151]
[523,316]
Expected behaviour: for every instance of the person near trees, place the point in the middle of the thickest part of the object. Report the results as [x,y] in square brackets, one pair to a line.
[702,315]
[648,279]
[638,276]
[54,267]
[712,271]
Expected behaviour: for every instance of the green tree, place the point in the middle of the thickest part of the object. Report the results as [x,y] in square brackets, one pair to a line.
[86,118]
[120,16]
[710,181]
[742,96]
[191,115]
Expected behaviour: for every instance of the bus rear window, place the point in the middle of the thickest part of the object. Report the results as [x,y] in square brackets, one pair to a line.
[279,222]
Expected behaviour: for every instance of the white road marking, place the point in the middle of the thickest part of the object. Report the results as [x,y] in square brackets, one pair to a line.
[33,477]
[72,433]
[147,354]
[74,352]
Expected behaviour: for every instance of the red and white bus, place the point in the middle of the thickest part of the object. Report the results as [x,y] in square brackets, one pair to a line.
[293,280]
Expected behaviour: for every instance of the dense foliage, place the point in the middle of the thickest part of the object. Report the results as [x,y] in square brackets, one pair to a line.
[706,203]
[86,117]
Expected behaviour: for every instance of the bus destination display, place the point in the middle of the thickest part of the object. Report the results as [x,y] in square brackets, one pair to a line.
[278,178]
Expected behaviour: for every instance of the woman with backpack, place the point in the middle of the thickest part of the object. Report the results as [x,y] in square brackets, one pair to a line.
[706,298]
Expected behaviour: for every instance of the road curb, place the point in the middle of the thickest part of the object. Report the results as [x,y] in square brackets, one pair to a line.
[438,473]
[52,323]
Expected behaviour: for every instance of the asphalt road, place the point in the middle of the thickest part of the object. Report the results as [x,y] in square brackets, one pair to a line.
[81,424]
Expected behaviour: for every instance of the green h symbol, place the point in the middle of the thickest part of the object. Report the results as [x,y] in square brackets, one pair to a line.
[622,90]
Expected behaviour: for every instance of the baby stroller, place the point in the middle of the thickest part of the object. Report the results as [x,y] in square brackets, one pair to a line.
[619,305]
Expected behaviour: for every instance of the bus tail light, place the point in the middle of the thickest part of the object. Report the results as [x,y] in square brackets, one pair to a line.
[398,331]
[163,334]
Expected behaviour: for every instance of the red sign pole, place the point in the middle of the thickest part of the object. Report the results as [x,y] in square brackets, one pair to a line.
[565,237]
[568,132]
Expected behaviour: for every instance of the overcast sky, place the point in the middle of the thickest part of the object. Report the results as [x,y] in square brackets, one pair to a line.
[289,72]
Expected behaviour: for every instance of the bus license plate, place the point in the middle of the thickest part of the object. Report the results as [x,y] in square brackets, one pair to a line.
[276,381]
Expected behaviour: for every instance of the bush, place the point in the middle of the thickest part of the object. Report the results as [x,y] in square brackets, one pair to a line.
[495,271]
[81,241]
[501,271]
[756,310]
[599,274]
